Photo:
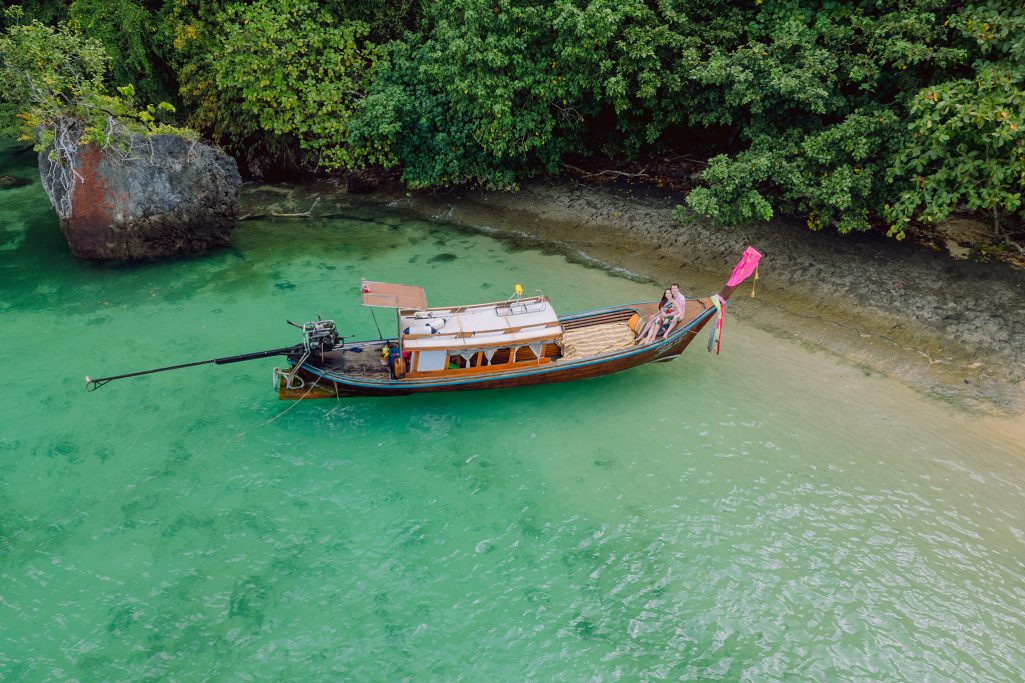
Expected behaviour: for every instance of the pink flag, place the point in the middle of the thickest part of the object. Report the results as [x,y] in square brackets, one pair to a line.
[748,263]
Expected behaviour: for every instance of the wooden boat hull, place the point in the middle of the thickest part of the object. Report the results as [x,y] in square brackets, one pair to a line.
[320,381]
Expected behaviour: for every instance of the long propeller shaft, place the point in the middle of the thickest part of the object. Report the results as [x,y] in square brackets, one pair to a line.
[94,384]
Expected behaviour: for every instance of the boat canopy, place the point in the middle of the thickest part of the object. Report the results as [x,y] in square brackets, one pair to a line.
[385,295]
[519,322]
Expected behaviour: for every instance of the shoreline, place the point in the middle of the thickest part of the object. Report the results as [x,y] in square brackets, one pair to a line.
[953,330]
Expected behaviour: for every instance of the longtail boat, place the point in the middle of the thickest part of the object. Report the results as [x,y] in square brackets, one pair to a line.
[515,342]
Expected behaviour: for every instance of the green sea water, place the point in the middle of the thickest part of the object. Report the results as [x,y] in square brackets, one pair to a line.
[768,514]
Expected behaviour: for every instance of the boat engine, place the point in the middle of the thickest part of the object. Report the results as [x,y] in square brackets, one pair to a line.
[320,335]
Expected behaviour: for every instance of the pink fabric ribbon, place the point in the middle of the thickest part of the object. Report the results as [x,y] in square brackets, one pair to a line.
[715,338]
[748,262]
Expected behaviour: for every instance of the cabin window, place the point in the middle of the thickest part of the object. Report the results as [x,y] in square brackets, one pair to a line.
[499,356]
[524,353]
[427,361]
[469,358]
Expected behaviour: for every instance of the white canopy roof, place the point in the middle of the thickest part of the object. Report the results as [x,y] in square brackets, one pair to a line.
[505,323]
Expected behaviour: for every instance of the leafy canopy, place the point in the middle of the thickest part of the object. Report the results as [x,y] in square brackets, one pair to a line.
[966,146]
[852,115]
[866,113]
[55,77]
[287,70]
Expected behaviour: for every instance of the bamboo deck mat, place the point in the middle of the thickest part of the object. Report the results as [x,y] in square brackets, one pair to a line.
[590,341]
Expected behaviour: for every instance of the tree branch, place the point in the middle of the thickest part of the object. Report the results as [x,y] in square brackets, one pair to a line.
[624,174]
[304,214]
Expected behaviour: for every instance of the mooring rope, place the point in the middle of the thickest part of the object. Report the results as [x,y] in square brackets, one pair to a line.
[291,375]
[312,387]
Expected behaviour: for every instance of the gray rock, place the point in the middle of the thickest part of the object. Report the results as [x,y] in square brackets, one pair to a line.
[167,195]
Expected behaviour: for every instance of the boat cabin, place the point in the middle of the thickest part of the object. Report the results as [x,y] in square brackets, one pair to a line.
[478,338]
[463,340]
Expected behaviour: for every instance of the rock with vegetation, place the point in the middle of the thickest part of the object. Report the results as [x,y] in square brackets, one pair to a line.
[160,195]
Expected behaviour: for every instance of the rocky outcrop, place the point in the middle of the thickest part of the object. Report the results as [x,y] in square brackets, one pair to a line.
[158,196]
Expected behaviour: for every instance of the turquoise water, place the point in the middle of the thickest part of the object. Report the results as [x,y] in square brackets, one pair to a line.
[766,514]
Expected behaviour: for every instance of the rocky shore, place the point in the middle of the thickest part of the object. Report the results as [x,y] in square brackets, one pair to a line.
[952,329]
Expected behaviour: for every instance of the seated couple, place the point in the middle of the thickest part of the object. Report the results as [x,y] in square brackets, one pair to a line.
[671,311]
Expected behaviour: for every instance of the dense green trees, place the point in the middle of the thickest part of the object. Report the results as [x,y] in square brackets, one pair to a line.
[966,145]
[291,74]
[874,113]
[53,80]
[854,114]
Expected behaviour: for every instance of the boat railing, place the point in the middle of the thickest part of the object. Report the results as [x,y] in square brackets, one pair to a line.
[519,306]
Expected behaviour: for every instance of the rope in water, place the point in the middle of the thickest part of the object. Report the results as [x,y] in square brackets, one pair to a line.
[296,401]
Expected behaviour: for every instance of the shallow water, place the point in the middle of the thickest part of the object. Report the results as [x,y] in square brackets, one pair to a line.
[765,514]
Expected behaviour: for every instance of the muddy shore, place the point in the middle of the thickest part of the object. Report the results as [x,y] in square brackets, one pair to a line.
[951,329]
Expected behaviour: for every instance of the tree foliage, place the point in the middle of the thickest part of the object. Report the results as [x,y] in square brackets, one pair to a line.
[130,35]
[880,121]
[288,71]
[480,97]
[55,78]
[490,91]
[853,115]
[966,146]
